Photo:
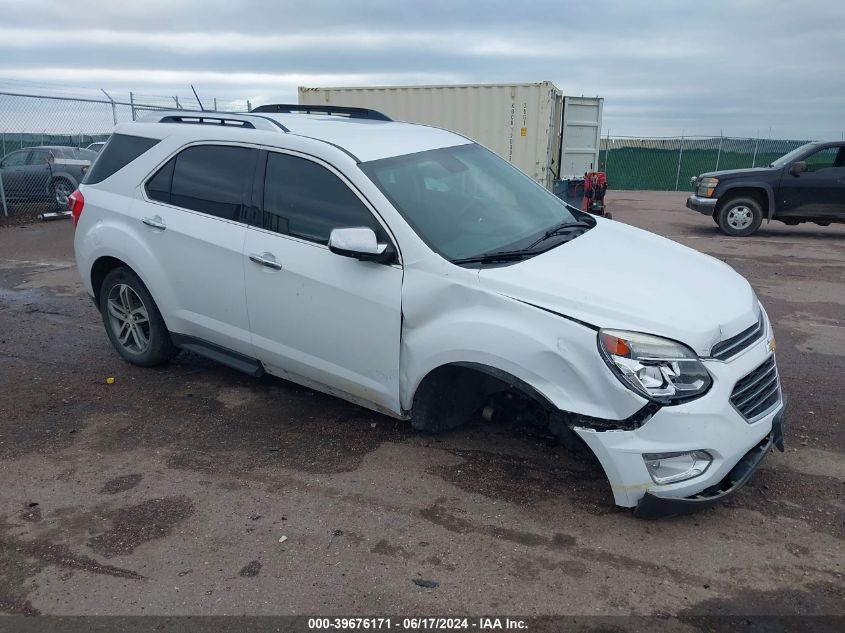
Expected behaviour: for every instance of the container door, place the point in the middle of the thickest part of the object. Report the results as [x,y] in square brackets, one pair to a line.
[579,152]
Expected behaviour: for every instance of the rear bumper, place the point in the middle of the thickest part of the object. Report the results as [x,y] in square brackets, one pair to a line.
[653,506]
[702,205]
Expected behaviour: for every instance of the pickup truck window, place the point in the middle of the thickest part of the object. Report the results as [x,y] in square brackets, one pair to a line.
[823,159]
[788,158]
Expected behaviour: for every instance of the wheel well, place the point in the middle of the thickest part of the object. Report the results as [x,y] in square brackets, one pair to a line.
[451,394]
[56,179]
[102,267]
[744,192]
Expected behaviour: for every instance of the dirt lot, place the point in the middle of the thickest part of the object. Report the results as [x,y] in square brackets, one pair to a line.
[168,491]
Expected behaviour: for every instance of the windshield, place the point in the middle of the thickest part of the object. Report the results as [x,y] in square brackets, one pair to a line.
[465,201]
[784,160]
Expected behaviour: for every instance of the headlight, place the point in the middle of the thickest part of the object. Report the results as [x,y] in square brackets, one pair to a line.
[706,186]
[656,368]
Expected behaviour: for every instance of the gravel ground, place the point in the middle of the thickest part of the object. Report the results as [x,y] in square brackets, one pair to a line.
[169,491]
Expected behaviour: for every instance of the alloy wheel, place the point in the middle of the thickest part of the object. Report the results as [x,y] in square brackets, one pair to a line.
[62,192]
[129,319]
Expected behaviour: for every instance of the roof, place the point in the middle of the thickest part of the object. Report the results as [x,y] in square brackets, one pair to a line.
[369,139]
[365,139]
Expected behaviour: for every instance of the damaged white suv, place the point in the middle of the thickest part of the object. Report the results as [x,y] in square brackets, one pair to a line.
[410,270]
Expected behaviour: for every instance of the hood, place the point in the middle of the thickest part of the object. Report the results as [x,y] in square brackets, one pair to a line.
[617,276]
[727,173]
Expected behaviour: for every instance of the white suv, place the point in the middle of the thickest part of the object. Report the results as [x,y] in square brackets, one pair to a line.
[408,269]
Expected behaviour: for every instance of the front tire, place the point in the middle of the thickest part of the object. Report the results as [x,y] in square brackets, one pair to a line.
[740,217]
[133,322]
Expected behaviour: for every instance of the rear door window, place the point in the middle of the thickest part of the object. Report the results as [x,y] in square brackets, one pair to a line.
[158,187]
[39,158]
[212,179]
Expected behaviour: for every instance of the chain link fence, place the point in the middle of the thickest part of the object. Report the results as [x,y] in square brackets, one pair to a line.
[668,164]
[46,142]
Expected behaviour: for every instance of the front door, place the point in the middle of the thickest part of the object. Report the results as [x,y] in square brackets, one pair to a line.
[36,175]
[819,192]
[12,172]
[318,318]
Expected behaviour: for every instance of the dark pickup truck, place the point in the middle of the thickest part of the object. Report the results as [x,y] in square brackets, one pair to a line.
[805,185]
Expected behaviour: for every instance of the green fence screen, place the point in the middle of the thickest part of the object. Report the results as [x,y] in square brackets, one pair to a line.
[669,163]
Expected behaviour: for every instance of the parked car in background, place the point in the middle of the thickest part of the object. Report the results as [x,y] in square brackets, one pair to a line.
[805,185]
[96,147]
[42,174]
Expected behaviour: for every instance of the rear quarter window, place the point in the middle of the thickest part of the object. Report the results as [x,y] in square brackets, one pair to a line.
[120,150]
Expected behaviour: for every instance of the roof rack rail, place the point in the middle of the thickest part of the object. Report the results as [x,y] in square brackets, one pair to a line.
[206,117]
[293,108]
[206,120]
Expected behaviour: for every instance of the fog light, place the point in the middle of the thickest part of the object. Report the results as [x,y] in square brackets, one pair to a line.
[668,468]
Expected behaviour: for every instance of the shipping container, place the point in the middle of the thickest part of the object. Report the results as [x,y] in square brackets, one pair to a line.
[536,127]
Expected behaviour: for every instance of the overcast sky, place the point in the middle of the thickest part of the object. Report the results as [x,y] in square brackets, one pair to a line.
[662,67]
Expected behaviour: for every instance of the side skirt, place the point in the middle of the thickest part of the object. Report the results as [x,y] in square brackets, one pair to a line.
[218,354]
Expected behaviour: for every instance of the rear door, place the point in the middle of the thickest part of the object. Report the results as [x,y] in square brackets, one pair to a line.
[190,219]
[818,192]
[318,318]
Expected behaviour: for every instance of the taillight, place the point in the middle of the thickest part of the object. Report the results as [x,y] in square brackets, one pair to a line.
[75,202]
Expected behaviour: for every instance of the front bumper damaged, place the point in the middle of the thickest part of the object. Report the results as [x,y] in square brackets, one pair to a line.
[653,506]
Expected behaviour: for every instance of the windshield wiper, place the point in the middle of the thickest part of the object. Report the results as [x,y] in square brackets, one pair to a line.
[492,258]
[561,229]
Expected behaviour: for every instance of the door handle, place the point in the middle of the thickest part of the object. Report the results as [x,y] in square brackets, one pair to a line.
[155,222]
[265,259]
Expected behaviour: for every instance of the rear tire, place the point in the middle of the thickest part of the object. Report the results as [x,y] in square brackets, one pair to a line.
[133,322]
[740,217]
[60,189]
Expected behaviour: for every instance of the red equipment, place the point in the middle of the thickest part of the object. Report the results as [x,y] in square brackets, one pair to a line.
[595,186]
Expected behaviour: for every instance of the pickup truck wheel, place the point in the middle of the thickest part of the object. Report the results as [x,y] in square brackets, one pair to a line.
[740,217]
[132,319]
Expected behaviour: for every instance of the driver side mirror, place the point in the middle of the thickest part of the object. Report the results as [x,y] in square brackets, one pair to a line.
[798,168]
[360,243]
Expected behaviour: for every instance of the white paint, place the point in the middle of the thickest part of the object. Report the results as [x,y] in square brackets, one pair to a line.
[371,332]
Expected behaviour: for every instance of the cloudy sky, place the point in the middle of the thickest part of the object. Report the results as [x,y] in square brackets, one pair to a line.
[740,66]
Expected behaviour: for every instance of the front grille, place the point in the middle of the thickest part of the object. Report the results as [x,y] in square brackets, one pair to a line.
[732,346]
[758,392]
